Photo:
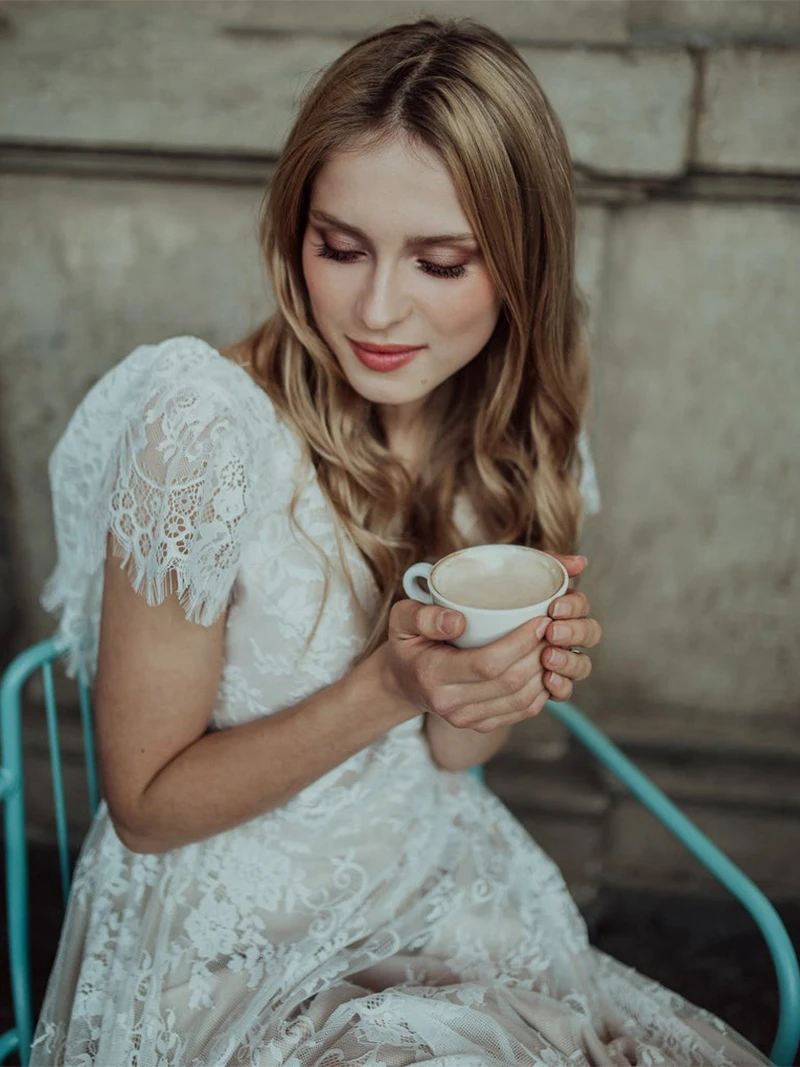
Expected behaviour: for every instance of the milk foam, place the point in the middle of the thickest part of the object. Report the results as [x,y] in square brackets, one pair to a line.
[496,580]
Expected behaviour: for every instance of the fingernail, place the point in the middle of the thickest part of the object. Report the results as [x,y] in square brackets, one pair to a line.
[560,609]
[560,631]
[541,629]
[557,658]
[449,621]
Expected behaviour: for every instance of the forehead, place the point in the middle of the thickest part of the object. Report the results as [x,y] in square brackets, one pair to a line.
[391,189]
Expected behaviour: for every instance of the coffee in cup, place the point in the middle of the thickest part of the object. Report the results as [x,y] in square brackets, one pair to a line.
[495,587]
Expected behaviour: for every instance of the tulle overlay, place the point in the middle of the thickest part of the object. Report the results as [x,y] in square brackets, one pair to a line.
[391,913]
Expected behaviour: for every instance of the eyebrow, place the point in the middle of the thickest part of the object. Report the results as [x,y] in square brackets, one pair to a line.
[417,241]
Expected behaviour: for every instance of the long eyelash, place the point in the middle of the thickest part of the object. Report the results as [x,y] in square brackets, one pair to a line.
[327,252]
[433,269]
[457,271]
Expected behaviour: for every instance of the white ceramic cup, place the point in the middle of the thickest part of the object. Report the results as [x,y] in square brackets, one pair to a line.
[484,625]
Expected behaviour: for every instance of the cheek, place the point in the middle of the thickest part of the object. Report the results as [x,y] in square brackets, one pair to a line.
[472,308]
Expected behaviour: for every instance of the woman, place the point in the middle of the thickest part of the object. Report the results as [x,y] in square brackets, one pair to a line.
[287,868]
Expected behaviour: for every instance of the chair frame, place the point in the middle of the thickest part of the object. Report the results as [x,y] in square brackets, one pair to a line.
[42,656]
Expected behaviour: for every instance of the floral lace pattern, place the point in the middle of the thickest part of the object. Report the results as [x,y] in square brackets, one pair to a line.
[391,913]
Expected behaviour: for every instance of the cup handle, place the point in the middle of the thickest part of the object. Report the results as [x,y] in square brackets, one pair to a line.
[411,582]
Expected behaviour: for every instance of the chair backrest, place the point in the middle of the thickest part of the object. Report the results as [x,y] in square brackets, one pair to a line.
[39,658]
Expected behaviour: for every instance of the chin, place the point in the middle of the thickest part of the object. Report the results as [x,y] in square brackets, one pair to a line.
[380,392]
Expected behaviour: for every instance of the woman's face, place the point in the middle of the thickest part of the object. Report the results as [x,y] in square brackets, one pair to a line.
[373,276]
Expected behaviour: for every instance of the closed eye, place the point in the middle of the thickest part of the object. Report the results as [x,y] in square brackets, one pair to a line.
[435,269]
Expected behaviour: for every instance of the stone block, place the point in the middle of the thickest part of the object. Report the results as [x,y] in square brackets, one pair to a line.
[7,604]
[227,78]
[719,780]
[591,248]
[705,23]
[642,851]
[749,117]
[8,599]
[695,562]
[642,727]
[158,76]
[595,21]
[91,269]
[623,113]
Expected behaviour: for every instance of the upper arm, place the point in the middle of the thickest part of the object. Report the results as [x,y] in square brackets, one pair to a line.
[163,478]
[156,683]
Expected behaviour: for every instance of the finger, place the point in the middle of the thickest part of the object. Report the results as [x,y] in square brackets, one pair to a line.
[487,725]
[580,633]
[515,679]
[409,619]
[573,605]
[488,663]
[574,565]
[569,664]
[461,707]
[559,687]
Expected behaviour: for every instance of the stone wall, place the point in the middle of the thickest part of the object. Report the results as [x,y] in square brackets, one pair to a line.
[135,143]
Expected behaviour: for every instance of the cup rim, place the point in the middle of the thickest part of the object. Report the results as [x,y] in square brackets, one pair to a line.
[492,611]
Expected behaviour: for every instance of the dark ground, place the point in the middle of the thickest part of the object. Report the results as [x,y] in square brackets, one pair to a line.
[707,949]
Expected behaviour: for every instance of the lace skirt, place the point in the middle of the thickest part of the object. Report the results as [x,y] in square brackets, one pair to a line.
[393,913]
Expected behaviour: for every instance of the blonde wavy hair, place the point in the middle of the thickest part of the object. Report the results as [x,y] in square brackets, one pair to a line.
[504,429]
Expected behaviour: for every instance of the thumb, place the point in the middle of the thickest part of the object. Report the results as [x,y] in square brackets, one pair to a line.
[410,619]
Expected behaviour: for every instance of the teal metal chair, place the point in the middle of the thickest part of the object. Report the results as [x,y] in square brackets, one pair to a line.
[43,655]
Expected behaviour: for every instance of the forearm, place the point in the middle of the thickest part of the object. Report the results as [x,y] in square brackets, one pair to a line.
[230,776]
[458,749]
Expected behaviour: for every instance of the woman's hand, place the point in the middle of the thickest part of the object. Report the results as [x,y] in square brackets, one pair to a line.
[476,688]
[572,628]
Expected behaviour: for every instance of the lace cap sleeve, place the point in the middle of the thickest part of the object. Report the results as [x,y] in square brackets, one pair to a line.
[178,501]
[175,489]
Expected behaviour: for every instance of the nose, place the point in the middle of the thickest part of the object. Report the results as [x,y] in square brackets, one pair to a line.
[382,302]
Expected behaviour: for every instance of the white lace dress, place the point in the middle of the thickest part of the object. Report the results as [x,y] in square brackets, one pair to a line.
[392,912]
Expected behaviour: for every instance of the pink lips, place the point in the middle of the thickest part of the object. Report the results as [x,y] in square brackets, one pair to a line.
[383,357]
